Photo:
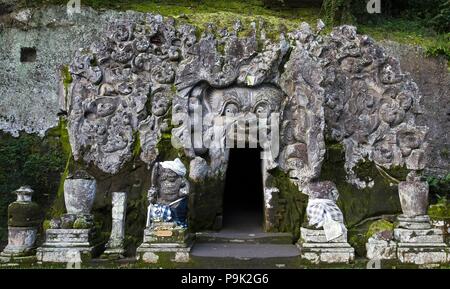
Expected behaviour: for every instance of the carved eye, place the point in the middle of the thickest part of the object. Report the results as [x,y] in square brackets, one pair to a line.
[262,109]
[231,109]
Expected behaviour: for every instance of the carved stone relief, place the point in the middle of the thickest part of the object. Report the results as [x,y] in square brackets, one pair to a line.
[149,76]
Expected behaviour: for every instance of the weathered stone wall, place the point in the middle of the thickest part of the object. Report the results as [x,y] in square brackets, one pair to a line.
[31,90]
[432,76]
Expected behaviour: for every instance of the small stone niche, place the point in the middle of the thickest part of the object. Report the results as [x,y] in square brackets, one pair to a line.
[27,54]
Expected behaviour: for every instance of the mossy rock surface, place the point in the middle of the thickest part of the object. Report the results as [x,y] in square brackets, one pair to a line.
[290,203]
[24,214]
[439,211]
[359,204]
[379,226]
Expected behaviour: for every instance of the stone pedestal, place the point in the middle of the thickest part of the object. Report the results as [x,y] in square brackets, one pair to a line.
[24,216]
[114,247]
[165,238]
[315,248]
[66,246]
[381,249]
[419,243]
[20,245]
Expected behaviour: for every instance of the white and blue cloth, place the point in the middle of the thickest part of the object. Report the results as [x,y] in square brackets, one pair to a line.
[326,214]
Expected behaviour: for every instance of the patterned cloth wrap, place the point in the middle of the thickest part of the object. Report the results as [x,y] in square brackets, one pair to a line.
[160,213]
[325,213]
[166,213]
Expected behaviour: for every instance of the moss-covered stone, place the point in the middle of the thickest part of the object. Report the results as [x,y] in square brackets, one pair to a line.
[359,204]
[205,203]
[24,214]
[290,203]
[82,223]
[379,226]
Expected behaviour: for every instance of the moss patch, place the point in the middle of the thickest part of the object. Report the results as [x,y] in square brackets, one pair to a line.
[379,226]
[291,204]
[359,204]
[223,13]
[205,204]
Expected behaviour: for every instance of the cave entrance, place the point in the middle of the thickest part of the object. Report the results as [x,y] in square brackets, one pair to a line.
[243,205]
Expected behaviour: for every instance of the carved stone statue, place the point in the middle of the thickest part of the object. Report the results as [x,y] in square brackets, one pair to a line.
[326,241]
[322,210]
[168,195]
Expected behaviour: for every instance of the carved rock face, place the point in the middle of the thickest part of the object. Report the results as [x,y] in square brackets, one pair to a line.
[170,185]
[145,69]
[322,190]
[370,104]
[239,101]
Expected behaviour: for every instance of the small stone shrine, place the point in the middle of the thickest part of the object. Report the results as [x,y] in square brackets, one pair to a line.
[24,218]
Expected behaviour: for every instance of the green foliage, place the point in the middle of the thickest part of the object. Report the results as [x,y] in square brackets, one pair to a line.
[441,21]
[439,187]
[34,161]
[337,12]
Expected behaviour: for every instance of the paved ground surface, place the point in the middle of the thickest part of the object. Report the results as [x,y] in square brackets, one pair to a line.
[244,251]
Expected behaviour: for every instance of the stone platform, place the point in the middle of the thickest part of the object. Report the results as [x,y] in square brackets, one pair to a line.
[164,238]
[414,241]
[315,248]
[66,245]
[20,246]
[418,242]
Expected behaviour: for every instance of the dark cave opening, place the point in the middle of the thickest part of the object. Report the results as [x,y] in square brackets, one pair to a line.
[243,198]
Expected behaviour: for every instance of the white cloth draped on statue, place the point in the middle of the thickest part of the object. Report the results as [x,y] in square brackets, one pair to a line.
[325,213]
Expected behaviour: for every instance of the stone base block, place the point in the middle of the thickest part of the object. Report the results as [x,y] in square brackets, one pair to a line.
[381,249]
[6,258]
[151,253]
[166,233]
[113,253]
[420,254]
[327,252]
[314,248]
[414,223]
[318,236]
[20,243]
[66,246]
[418,235]
[64,254]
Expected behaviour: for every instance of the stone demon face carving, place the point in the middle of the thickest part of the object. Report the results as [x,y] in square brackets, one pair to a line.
[239,101]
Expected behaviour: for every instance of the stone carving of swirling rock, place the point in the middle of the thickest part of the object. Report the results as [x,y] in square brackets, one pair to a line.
[146,72]
[370,104]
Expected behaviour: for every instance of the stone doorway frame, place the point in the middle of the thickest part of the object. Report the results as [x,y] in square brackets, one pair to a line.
[268,162]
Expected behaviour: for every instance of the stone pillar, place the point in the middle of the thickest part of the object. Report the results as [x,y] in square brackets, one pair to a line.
[114,247]
[418,242]
[24,217]
[70,237]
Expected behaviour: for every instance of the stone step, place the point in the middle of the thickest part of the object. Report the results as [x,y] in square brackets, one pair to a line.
[244,251]
[244,238]
[418,236]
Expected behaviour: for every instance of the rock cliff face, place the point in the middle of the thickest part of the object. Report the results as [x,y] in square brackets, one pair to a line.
[433,79]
